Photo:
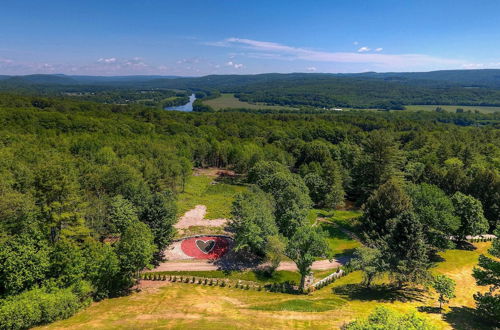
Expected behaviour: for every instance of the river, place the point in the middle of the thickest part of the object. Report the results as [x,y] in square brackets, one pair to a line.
[186,107]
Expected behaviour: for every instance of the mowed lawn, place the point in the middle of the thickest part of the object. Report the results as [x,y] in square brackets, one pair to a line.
[176,305]
[228,101]
[217,197]
[338,239]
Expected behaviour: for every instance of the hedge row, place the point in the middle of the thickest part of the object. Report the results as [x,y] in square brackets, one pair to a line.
[285,287]
[41,306]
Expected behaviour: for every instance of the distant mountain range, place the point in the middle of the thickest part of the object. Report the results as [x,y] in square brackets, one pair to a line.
[61,79]
[389,90]
[467,78]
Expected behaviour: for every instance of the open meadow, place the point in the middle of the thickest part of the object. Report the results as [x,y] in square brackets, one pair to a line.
[204,189]
[199,306]
[228,101]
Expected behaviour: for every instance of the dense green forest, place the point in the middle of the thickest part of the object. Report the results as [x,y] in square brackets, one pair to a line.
[88,189]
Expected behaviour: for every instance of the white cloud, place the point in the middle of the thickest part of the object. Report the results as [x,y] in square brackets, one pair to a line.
[312,69]
[473,66]
[355,43]
[363,50]
[378,61]
[192,60]
[234,65]
[6,61]
[379,49]
[107,60]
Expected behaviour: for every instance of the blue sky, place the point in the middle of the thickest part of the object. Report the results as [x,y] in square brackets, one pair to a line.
[192,38]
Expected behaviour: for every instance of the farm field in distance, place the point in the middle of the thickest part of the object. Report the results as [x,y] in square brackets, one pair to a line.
[228,101]
[453,108]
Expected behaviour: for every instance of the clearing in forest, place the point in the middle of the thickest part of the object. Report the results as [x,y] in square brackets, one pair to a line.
[212,188]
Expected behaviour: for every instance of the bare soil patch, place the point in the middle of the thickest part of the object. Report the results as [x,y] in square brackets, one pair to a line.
[196,217]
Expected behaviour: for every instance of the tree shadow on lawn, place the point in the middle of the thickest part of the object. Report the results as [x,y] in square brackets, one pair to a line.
[344,256]
[466,318]
[234,261]
[382,293]
[429,309]
[464,245]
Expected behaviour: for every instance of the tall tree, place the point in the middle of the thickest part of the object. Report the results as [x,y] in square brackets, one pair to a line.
[290,194]
[371,262]
[435,211]
[121,213]
[160,215]
[381,161]
[275,250]
[253,221]
[136,248]
[445,287]
[303,247]
[485,186]
[385,204]
[407,251]
[470,212]
[24,262]
[487,273]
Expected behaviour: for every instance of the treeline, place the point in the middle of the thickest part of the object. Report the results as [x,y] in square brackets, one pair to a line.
[391,91]
[87,190]
[363,93]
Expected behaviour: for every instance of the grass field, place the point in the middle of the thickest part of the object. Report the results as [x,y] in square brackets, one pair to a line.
[228,101]
[452,108]
[175,305]
[217,197]
[339,241]
[254,276]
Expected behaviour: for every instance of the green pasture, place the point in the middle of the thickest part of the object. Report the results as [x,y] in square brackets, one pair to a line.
[228,101]
[204,190]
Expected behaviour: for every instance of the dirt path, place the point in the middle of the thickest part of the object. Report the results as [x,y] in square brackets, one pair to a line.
[202,265]
[196,217]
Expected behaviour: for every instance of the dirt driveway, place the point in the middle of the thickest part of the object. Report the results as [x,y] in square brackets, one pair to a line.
[203,265]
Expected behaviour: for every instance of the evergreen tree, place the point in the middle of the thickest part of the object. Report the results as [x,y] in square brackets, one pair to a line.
[160,215]
[385,204]
[407,251]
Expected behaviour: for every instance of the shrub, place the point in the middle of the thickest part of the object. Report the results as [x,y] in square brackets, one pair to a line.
[38,306]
